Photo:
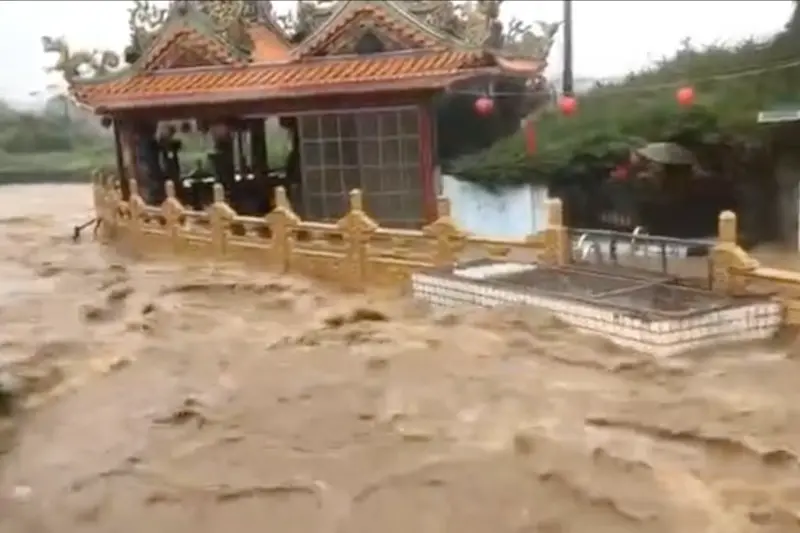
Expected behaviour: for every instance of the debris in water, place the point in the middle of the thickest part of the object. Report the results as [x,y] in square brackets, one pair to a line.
[8,387]
[189,410]
[360,314]
[21,493]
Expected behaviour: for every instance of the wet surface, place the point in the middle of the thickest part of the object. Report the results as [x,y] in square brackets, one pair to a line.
[176,397]
[643,294]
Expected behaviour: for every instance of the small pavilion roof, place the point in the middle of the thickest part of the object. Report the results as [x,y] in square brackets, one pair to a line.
[205,56]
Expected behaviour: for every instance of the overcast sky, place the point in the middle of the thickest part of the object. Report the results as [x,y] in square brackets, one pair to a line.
[611,37]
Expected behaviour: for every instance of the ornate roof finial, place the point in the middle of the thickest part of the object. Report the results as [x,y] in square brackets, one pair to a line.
[258,11]
[70,63]
[144,21]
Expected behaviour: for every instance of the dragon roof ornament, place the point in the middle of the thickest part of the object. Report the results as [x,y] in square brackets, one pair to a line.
[478,23]
[145,19]
[74,64]
[308,15]
[228,19]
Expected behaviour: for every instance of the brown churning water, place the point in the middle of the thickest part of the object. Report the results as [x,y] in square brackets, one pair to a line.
[177,397]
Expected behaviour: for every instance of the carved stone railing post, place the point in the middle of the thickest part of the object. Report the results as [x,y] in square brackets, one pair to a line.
[728,259]
[221,216]
[136,207]
[357,228]
[172,210]
[450,239]
[727,228]
[557,245]
[116,209]
[282,221]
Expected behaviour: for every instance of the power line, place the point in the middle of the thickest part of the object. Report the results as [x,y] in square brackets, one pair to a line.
[611,90]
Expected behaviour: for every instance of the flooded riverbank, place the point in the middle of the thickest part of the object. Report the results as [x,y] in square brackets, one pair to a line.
[196,398]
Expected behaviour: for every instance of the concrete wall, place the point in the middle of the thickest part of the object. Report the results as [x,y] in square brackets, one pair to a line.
[505,213]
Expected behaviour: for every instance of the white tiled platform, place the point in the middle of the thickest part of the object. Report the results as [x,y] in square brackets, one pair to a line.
[476,286]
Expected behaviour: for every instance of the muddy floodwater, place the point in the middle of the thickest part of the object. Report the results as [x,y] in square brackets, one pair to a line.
[185,398]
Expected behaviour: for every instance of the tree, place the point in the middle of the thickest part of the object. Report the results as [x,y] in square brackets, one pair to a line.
[36,134]
[461,131]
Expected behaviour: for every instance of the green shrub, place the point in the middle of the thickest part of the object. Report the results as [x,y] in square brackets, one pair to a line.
[732,83]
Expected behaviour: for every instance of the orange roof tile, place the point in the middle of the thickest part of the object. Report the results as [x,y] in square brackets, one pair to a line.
[182,38]
[267,46]
[281,80]
[371,13]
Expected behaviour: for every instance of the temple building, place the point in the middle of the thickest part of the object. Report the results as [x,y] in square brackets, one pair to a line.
[354,86]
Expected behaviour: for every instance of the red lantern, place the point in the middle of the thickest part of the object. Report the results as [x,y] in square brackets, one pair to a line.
[620,172]
[484,106]
[685,96]
[568,105]
[530,137]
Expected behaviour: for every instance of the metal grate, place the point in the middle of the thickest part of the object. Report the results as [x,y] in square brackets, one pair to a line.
[645,295]
[638,250]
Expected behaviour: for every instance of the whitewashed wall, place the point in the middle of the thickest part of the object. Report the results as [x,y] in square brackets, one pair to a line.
[505,213]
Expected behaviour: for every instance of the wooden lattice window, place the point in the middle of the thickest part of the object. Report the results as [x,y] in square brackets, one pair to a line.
[376,151]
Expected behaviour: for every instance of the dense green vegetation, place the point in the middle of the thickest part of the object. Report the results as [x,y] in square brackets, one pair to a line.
[58,138]
[732,83]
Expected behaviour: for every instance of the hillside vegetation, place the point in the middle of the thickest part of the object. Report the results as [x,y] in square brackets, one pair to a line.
[58,138]
[732,83]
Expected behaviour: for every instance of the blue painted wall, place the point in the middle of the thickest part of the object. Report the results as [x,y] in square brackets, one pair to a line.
[507,213]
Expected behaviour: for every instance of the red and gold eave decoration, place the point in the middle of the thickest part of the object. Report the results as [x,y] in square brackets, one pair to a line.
[621,172]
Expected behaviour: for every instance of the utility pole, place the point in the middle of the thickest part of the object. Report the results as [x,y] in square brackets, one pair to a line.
[567,76]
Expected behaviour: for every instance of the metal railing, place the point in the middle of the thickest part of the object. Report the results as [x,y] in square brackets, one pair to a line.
[637,250]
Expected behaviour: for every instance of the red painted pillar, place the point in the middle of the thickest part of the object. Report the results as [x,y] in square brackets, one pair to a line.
[127,141]
[117,126]
[426,146]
